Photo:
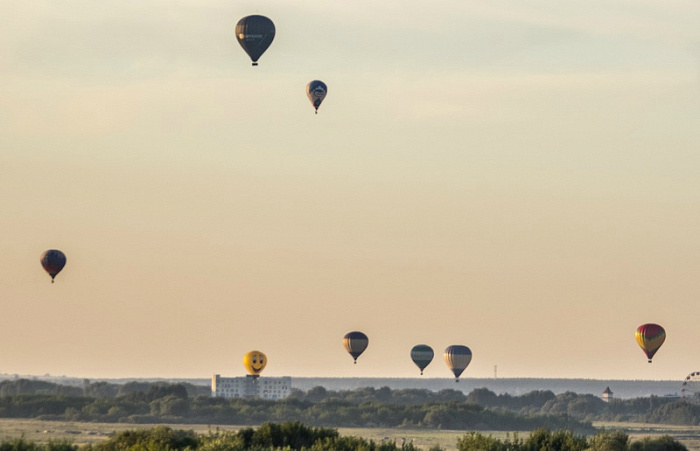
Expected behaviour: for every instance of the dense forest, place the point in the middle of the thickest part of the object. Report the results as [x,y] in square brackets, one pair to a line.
[294,436]
[144,402]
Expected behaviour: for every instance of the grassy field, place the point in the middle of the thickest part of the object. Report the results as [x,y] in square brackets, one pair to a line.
[84,433]
[688,435]
[423,438]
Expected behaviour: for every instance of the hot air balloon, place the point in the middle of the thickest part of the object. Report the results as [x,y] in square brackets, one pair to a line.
[650,338]
[316,91]
[53,262]
[457,358]
[254,362]
[422,355]
[255,34]
[355,343]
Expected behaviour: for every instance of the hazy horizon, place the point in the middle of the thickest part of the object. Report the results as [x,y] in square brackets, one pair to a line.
[448,379]
[621,388]
[520,177]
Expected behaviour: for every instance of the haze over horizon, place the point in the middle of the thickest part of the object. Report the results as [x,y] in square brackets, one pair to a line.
[520,177]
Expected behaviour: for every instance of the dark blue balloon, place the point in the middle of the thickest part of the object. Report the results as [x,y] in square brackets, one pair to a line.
[255,34]
[316,91]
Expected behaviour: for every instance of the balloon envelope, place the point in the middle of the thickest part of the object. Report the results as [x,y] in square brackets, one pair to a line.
[457,358]
[53,262]
[422,355]
[254,362]
[316,91]
[650,337]
[355,343]
[255,34]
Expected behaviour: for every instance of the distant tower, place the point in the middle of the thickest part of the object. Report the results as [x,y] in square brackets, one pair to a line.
[495,371]
[607,395]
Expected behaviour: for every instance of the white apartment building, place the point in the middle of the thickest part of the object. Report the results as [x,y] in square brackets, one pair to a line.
[251,387]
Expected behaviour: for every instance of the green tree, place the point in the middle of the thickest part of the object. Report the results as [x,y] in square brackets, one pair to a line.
[609,441]
[664,443]
[475,441]
[157,438]
[544,440]
[317,394]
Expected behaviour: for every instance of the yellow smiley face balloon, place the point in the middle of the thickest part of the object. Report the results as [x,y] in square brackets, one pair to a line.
[254,362]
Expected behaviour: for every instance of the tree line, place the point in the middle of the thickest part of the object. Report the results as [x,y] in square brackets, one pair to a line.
[583,407]
[146,402]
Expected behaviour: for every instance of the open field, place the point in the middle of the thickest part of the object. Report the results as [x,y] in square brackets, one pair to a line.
[423,438]
[84,433]
[688,435]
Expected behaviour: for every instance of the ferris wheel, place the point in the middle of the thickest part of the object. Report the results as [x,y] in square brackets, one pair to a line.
[691,385]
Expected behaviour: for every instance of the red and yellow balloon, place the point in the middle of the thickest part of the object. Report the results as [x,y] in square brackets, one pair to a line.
[650,338]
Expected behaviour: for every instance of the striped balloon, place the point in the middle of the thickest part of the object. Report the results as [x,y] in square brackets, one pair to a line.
[650,338]
[422,355]
[355,343]
[457,358]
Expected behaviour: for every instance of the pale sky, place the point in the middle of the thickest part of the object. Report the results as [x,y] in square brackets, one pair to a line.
[520,176]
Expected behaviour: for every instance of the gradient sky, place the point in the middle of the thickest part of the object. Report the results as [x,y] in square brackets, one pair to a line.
[518,176]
